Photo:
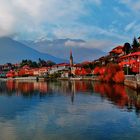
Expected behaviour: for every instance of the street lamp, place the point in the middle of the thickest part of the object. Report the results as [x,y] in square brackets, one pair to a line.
[127,66]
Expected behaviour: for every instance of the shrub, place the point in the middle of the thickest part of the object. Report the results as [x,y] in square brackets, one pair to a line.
[112,73]
[119,77]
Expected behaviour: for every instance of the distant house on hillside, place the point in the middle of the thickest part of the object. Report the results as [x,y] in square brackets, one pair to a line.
[113,56]
[115,53]
[7,67]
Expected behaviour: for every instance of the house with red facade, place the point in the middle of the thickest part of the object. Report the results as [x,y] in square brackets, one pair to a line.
[132,61]
[117,51]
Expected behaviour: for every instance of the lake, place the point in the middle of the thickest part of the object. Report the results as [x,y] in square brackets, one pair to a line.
[68,110]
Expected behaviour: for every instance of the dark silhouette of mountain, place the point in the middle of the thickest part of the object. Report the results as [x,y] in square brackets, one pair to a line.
[13,51]
[60,48]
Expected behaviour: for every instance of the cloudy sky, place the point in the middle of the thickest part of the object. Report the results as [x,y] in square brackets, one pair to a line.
[109,21]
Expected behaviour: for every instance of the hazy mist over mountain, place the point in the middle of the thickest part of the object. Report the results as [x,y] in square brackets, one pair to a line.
[61,48]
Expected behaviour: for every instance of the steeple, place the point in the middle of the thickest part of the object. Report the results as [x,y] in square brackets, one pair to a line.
[71,58]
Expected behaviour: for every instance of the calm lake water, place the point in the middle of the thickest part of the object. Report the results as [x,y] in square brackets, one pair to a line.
[62,110]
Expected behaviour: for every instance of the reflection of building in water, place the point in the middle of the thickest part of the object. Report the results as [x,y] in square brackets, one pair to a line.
[119,95]
[72,91]
[134,100]
[26,87]
[115,93]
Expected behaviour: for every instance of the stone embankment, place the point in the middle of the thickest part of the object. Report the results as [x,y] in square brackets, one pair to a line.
[24,79]
[132,81]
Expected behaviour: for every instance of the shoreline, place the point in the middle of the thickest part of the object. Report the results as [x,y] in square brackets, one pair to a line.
[24,79]
[129,80]
[134,84]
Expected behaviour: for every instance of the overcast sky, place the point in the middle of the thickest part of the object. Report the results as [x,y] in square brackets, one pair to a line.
[109,21]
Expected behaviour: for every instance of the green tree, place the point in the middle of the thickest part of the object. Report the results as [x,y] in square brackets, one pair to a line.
[41,62]
[50,63]
[23,62]
[127,48]
[34,64]
[29,63]
[135,44]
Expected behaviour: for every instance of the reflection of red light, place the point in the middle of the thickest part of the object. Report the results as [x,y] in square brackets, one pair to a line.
[43,88]
[81,86]
[10,85]
[27,87]
[116,93]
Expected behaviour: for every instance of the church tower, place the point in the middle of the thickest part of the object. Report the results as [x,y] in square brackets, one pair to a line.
[71,59]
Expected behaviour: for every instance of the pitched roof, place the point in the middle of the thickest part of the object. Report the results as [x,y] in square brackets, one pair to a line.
[132,54]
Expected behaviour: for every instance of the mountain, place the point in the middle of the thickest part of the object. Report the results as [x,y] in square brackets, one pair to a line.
[14,51]
[61,48]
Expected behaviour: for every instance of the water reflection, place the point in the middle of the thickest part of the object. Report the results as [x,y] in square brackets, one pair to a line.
[68,110]
[119,95]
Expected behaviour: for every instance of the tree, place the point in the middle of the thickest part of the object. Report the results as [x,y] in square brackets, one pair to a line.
[34,64]
[29,63]
[88,66]
[111,73]
[135,44]
[127,48]
[50,63]
[41,62]
[23,63]
[119,77]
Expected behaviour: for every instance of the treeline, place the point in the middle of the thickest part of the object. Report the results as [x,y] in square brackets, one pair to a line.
[134,47]
[37,64]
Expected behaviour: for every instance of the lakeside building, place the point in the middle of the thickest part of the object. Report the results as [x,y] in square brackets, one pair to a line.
[59,68]
[113,57]
[117,55]
[132,61]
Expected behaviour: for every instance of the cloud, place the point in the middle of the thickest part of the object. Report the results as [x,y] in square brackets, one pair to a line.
[131,4]
[120,12]
[71,43]
[88,32]
[98,2]
[84,19]
[28,15]
[105,45]
[130,26]
[7,18]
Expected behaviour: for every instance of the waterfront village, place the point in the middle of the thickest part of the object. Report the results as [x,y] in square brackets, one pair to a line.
[121,65]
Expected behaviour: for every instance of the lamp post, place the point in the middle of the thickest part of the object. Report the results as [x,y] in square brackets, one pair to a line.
[127,66]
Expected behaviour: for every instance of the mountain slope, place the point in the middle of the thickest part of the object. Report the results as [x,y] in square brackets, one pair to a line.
[14,51]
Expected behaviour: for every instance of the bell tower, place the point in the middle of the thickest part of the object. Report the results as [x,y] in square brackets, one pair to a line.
[71,59]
